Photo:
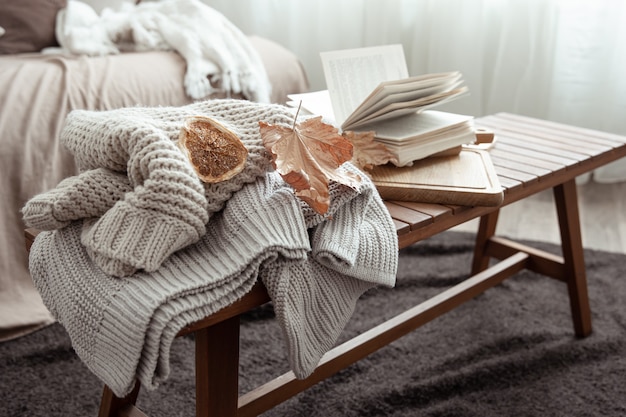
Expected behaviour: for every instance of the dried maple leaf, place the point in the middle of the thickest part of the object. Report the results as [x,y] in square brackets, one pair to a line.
[367,152]
[307,156]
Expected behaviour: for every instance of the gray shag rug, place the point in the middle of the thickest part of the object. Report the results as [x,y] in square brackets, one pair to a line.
[509,352]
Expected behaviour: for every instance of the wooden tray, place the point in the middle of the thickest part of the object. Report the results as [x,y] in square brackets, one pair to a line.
[467,179]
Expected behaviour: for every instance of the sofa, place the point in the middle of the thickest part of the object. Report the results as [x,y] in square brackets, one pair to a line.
[38,90]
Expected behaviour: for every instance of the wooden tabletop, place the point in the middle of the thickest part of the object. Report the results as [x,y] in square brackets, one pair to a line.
[530,155]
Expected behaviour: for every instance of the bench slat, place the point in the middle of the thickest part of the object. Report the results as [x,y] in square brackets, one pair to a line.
[564,129]
[568,138]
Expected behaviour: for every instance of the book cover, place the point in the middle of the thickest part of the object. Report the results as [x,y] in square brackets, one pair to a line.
[467,179]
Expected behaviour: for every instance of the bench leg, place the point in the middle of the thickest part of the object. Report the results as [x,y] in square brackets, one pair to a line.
[569,222]
[113,406]
[573,263]
[486,230]
[217,369]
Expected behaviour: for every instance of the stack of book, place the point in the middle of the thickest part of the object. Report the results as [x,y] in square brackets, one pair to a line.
[419,135]
[398,112]
[369,90]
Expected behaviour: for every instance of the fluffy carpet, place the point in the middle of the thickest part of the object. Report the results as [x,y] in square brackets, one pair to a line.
[509,352]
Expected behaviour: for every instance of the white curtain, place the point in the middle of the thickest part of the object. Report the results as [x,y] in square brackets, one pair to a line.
[561,60]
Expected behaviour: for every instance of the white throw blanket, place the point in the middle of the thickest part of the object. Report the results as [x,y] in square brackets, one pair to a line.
[219,56]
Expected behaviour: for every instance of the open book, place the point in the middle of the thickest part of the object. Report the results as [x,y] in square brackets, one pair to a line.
[368,85]
[369,90]
[392,99]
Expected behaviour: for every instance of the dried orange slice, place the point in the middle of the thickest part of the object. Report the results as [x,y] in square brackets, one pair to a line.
[216,153]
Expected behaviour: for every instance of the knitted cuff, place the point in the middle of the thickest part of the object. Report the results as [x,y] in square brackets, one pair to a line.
[128,238]
[89,194]
[335,242]
[118,268]
[359,241]
[339,195]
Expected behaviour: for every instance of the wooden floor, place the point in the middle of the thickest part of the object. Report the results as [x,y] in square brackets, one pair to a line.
[602,210]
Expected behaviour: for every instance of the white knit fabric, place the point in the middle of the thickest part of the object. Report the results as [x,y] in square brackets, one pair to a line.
[218,56]
[314,267]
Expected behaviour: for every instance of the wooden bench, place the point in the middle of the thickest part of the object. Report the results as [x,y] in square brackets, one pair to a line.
[530,156]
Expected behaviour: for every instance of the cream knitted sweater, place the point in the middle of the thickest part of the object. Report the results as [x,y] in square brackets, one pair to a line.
[135,182]
[314,267]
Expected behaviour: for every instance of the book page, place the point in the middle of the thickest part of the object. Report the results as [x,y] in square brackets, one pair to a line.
[425,123]
[397,109]
[315,103]
[352,74]
[395,92]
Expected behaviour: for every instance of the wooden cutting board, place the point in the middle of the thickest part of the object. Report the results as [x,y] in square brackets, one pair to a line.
[467,178]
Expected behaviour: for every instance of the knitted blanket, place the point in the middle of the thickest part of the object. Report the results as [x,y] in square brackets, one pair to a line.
[314,267]
[218,55]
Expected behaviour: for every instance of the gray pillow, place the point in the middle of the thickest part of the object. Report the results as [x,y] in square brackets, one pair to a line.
[28,24]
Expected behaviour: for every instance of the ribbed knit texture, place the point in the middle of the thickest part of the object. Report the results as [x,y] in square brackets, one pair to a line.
[315,267]
[166,206]
[353,249]
[123,328]
[90,194]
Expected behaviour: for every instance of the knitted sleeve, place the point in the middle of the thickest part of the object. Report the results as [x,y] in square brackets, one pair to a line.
[167,205]
[89,194]
[114,128]
[165,212]
[166,209]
